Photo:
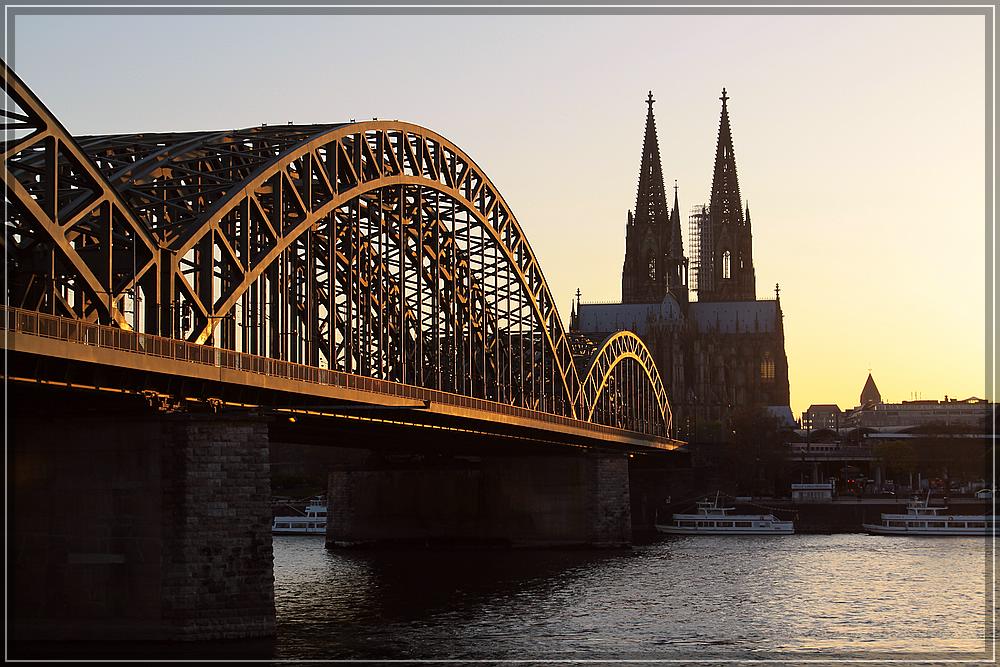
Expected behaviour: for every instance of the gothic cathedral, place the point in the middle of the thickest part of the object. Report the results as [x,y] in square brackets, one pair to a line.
[722,351]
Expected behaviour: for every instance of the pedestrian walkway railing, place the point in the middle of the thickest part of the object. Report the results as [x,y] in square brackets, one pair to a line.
[113,338]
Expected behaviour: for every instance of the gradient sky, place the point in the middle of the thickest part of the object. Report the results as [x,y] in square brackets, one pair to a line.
[859,143]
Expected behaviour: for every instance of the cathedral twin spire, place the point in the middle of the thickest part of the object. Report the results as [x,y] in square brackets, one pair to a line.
[725,183]
[726,272]
[650,199]
[654,255]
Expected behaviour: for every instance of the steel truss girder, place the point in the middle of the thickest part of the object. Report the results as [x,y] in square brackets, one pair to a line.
[146,158]
[336,165]
[640,394]
[382,291]
[306,182]
[73,244]
[343,235]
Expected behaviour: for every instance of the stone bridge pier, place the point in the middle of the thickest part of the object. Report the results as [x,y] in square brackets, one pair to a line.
[139,526]
[127,523]
[569,500]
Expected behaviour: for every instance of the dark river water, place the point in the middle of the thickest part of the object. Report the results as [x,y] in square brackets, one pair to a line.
[680,598]
[687,600]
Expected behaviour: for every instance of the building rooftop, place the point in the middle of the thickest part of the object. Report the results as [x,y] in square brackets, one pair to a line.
[635,317]
[708,317]
[734,316]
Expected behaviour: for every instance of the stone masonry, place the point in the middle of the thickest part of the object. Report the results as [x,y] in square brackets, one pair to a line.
[518,501]
[218,575]
[144,526]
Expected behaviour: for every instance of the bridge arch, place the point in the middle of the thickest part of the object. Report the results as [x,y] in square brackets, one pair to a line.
[378,248]
[622,387]
[74,246]
[228,227]
[421,200]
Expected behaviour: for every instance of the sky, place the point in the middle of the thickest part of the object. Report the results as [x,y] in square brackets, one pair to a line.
[859,144]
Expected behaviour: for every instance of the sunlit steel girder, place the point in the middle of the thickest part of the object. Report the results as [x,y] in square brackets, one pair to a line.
[73,245]
[375,248]
[622,387]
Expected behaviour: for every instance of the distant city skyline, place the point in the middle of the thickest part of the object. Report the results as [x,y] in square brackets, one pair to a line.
[859,146]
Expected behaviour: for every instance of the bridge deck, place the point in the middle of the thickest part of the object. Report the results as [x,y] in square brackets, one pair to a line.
[313,391]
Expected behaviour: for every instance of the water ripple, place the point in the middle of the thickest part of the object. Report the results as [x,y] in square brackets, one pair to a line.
[718,597]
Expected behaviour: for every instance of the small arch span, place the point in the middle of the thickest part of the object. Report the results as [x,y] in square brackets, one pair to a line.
[622,387]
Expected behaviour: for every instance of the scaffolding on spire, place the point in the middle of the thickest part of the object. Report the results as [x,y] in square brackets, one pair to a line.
[699,248]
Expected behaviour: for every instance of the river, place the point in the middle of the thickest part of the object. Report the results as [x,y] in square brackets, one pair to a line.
[678,598]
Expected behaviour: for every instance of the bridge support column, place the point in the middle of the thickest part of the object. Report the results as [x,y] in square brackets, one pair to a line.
[141,527]
[527,501]
[655,484]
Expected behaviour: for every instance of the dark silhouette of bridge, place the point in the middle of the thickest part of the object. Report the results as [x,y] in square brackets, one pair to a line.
[363,276]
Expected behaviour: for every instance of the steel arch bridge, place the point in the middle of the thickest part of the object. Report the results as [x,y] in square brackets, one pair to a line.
[378,249]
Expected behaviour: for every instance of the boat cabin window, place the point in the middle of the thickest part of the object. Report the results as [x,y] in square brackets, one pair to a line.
[956,524]
[321,525]
[281,525]
[687,523]
[976,524]
[706,524]
[299,525]
[936,524]
[725,524]
[744,524]
[917,524]
[897,524]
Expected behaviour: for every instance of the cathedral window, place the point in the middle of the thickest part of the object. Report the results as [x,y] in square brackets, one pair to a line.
[652,267]
[767,368]
[726,268]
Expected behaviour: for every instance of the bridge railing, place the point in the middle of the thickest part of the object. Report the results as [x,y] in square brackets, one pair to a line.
[113,338]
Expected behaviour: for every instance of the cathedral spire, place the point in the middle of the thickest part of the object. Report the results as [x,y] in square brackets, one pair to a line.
[650,200]
[649,271]
[726,272]
[725,183]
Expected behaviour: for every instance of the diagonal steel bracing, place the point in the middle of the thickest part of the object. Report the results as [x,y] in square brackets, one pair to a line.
[377,248]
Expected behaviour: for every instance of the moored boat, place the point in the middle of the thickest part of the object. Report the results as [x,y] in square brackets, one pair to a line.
[922,519]
[712,519]
[311,522]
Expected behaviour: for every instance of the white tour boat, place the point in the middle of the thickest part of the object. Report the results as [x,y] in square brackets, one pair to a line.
[922,519]
[311,522]
[711,519]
